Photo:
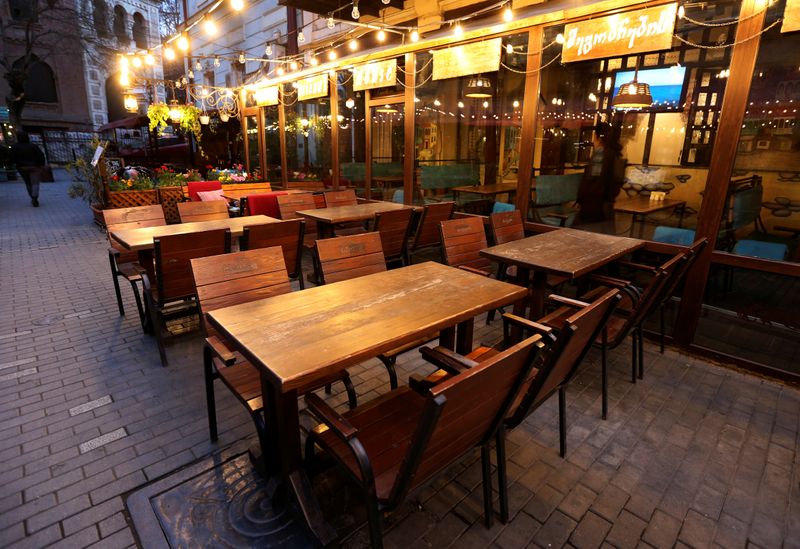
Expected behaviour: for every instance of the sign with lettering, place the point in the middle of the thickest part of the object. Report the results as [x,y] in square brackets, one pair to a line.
[791,16]
[266,96]
[475,58]
[314,86]
[628,33]
[375,75]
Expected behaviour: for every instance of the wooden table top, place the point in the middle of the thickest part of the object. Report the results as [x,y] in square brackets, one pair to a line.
[643,205]
[303,336]
[342,214]
[487,190]
[567,252]
[142,238]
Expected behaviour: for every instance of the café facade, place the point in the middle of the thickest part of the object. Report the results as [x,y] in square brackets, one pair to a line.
[704,96]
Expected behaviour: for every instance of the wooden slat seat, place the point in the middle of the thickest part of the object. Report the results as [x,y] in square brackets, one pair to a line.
[202,211]
[462,241]
[286,234]
[401,441]
[394,228]
[231,279]
[428,234]
[125,263]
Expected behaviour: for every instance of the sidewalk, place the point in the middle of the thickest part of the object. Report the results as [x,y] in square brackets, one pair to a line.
[693,454]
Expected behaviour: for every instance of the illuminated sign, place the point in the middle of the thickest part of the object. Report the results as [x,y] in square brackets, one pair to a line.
[476,58]
[265,97]
[315,86]
[375,75]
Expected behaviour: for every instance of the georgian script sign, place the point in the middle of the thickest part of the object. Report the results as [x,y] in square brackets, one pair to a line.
[314,86]
[266,96]
[791,16]
[375,75]
[475,58]
[621,34]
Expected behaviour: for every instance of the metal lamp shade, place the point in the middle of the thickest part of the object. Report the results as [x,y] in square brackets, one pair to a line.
[479,87]
[633,95]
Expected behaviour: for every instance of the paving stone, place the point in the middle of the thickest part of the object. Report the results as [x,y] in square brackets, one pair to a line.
[662,530]
[519,532]
[543,502]
[697,530]
[626,531]
[555,531]
[577,502]
[610,502]
[590,532]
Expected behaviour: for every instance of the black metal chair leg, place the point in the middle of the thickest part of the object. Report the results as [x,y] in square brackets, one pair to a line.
[374,519]
[604,374]
[640,331]
[115,278]
[352,400]
[327,388]
[562,421]
[488,511]
[634,354]
[389,362]
[502,477]
[211,405]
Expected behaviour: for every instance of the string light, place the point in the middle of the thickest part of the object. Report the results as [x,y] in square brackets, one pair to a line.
[508,15]
[509,49]
[293,65]
[485,104]
[149,59]
[437,103]
[268,51]
[123,79]
[515,104]
[386,2]
[381,35]
[314,61]
[242,58]
[216,61]
[559,38]
[355,14]
[136,62]
[183,43]
[169,53]
[190,74]
[279,71]
[237,5]
[198,66]
[123,63]
[350,103]
[414,36]
[301,37]
[460,104]
[210,27]
[353,44]
[331,55]
[457,30]
[681,12]
[331,22]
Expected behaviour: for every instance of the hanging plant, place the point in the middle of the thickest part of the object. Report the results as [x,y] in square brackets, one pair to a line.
[158,113]
[188,123]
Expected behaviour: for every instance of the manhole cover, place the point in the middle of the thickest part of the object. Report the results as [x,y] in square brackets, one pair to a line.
[48,320]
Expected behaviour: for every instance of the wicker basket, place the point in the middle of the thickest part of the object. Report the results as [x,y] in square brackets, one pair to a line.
[169,198]
[129,199]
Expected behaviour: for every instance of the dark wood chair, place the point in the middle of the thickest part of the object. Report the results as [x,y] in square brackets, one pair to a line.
[202,211]
[507,226]
[394,227]
[286,234]
[462,240]
[428,234]
[345,197]
[174,284]
[231,279]
[397,442]
[290,204]
[125,263]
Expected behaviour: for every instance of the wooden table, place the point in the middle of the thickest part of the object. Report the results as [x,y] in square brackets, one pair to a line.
[326,218]
[485,190]
[301,337]
[565,252]
[640,207]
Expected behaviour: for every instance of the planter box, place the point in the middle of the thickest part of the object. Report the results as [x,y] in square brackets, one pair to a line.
[169,197]
[97,213]
[129,199]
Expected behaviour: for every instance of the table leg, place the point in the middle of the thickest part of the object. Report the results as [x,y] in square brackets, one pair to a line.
[447,338]
[641,225]
[464,336]
[325,229]
[538,290]
[283,453]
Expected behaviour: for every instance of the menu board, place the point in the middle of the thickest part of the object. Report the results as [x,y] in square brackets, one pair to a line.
[314,86]
[375,75]
[475,58]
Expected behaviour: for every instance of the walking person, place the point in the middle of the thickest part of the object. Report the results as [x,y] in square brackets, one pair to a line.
[602,181]
[29,160]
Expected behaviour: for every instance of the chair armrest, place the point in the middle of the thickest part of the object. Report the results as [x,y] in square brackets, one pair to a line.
[474,270]
[332,419]
[638,266]
[574,303]
[526,324]
[221,350]
[618,283]
[113,251]
[447,360]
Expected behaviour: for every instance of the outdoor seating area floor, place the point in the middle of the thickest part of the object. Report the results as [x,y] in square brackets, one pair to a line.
[693,455]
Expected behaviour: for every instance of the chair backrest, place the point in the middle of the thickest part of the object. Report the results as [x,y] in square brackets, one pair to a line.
[744,207]
[449,175]
[354,171]
[290,204]
[398,196]
[173,254]
[286,234]
[349,257]
[117,219]
[394,227]
[691,256]
[552,190]
[560,360]
[193,187]
[673,235]
[462,240]
[507,226]
[428,232]
[263,203]
[241,277]
[464,412]
[202,211]
[498,207]
[346,197]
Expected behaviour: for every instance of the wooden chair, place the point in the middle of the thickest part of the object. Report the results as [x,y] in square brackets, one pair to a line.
[231,279]
[397,442]
[286,234]
[346,197]
[428,233]
[507,226]
[462,240]
[394,227]
[202,211]
[173,273]
[125,263]
[290,204]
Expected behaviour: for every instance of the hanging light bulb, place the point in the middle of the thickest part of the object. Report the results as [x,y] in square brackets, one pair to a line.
[183,43]
[123,63]
[460,104]
[301,37]
[355,14]
[331,22]
[169,53]
[508,15]
[130,103]
[332,55]
[353,44]
[178,83]
[268,50]
[280,71]
[515,104]
[210,27]
[485,104]
[124,80]
[216,61]
[136,62]
[381,36]
[198,66]
[681,12]
[184,81]
[190,74]
[509,49]
[175,112]
[457,30]
[437,103]
[559,38]
[149,59]
[314,61]
[386,2]
[414,36]
[350,103]
[237,5]
[242,58]
[293,65]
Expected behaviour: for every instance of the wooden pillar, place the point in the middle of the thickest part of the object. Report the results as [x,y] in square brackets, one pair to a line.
[408,129]
[720,167]
[282,139]
[530,106]
[334,99]
[367,146]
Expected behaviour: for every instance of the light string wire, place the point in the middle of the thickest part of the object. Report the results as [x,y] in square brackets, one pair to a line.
[723,46]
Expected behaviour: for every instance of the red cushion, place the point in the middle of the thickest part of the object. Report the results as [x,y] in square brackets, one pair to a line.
[201,186]
[264,204]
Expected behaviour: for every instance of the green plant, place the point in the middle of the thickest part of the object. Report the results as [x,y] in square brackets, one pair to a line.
[167,177]
[87,183]
[158,113]
[138,182]
[193,175]
[189,122]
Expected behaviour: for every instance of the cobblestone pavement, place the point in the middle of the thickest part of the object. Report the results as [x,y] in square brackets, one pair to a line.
[694,455]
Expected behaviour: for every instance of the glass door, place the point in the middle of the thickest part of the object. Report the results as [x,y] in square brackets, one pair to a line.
[387,148]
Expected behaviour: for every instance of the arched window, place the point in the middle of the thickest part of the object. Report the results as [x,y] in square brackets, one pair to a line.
[114,100]
[140,31]
[121,24]
[100,17]
[40,84]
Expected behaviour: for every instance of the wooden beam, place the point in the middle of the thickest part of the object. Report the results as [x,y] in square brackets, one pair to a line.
[367,146]
[734,103]
[408,130]
[334,99]
[282,140]
[530,106]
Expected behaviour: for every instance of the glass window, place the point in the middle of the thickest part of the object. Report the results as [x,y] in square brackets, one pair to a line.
[272,143]
[253,153]
[352,135]
[581,176]
[308,138]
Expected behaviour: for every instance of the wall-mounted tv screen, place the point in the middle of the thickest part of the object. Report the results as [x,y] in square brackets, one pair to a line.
[665,84]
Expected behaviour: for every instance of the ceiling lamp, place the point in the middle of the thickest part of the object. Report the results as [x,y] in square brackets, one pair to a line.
[386,108]
[633,95]
[130,103]
[479,87]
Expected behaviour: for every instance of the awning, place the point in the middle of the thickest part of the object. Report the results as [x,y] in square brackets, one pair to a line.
[127,123]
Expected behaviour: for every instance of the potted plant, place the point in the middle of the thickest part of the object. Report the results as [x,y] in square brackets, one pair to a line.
[133,189]
[87,183]
[170,191]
